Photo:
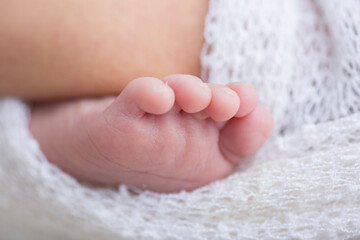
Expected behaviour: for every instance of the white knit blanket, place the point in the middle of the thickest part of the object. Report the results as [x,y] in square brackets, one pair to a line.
[304,58]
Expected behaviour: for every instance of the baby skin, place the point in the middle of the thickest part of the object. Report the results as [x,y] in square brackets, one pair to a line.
[161,134]
[165,135]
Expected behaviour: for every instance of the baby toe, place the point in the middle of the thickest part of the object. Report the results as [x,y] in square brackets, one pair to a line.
[191,94]
[224,103]
[244,136]
[248,97]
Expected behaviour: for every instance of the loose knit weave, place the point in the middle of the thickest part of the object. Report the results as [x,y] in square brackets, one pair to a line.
[303,57]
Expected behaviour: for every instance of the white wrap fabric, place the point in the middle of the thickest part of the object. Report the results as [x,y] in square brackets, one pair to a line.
[303,56]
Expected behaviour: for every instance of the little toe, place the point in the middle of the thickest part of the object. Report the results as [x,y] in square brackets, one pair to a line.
[144,95]
[244,136]
[248,97]
[191,94]
[224,103]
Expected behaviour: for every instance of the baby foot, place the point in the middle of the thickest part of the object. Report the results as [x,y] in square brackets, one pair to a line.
[162,135]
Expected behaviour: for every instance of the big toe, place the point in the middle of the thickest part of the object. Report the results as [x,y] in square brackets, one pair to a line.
[143,95]
[244,136]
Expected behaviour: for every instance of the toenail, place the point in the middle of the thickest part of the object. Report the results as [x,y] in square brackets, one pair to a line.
[229,92]
[160,88]
[241,84]
[205,87]
[248,85]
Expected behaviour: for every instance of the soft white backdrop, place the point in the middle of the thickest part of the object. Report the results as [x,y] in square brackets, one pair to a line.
[304,58]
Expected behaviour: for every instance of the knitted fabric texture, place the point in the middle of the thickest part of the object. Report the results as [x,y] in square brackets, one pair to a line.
[304,59]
